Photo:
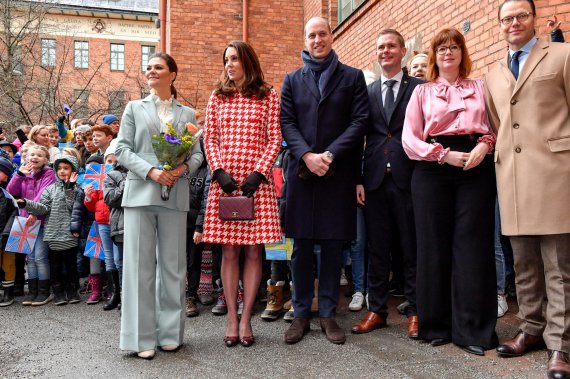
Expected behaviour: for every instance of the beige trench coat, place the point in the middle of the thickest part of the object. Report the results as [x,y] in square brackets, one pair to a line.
[531,117]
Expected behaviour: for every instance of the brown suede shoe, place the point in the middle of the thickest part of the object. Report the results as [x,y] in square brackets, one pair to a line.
[519,345]
[297,330]
[369,323]
[558,367]
[191,307]
[333,332]
[413,327]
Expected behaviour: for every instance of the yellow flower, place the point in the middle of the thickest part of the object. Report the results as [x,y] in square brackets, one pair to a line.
[167,167]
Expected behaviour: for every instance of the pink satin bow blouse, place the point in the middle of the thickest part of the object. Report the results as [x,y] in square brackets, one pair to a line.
[442,109]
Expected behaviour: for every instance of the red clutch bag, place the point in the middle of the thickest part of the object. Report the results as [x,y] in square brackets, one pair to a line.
[236,208]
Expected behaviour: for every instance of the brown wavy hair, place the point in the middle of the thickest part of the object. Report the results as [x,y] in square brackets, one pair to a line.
[449,34]
[254,84]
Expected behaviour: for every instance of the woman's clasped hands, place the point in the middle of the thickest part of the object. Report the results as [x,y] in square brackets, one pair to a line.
[467,160]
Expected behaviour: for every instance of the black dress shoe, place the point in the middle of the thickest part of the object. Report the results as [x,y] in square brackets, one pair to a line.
[474,349]
[439,341]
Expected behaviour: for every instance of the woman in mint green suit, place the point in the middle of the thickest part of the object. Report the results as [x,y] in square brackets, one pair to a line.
[154,262]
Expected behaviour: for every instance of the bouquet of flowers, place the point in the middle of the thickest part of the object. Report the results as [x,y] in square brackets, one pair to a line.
[171,149]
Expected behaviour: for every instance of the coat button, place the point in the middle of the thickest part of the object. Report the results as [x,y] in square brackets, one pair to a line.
[513,101]
[518,149]
[516,125]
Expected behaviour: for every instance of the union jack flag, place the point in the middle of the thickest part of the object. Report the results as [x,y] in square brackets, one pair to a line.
[95,174]
[22,238]
[94,246]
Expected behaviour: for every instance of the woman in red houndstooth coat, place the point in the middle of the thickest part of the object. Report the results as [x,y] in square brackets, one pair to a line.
[242,139]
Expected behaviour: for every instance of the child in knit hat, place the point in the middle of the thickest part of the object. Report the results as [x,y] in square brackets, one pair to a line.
[29,183]
[56,203]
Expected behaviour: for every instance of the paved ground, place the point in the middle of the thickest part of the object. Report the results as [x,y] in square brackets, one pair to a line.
[81,341]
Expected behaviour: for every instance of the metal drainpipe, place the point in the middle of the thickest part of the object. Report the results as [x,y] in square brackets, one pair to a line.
[162,18]
[245,17]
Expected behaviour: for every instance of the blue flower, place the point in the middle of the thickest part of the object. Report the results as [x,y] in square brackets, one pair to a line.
[172,139]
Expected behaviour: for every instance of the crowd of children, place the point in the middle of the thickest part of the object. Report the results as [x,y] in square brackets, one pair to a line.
[45,176]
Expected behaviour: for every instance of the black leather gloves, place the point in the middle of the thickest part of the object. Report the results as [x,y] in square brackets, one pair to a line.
[226,181]
[251,183]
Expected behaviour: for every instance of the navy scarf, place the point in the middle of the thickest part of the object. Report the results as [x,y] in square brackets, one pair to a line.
[322,69]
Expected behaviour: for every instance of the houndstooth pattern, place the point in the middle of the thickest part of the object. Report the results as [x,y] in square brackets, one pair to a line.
[243,135]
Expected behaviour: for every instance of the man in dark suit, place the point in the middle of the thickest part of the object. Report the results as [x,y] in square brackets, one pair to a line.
[324,109]
[386,192]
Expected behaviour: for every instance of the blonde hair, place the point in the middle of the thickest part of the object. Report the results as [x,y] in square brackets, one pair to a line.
[52,128]
[44,149]
[417,54]
[27,145]
[35,131]
[71,151]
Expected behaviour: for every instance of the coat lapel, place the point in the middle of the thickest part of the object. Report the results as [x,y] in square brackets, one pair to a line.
[376,92]
[176,113]
[506,71]
[537,53]
[333,83]
[151,116]
[309,81]
[402,90]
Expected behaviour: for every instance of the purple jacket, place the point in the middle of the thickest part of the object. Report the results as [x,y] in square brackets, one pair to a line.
[30,187]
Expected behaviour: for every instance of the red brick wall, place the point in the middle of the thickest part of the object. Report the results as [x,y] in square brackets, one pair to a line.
[97,78]
[130,80]
[200,30]
[315,8]
[355,37]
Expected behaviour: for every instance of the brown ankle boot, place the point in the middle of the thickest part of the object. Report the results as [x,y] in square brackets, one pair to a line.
[297,330]
[333,332]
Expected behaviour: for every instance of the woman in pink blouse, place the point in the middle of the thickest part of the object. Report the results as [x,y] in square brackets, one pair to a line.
[453,190]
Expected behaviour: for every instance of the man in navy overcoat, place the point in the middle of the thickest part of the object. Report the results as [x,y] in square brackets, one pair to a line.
[324,110]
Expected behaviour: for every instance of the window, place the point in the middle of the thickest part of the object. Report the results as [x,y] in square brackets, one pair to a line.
[347,7]
[117,102]
[117,57]
[81,54]
[146,52]
[81,104]
[48,52]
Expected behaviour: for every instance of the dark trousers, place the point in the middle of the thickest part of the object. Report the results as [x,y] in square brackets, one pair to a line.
[217,263]
[279,271]
[194,264]
[20,270]
[456,280]
[303,276]
[59,259]
[388,213]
